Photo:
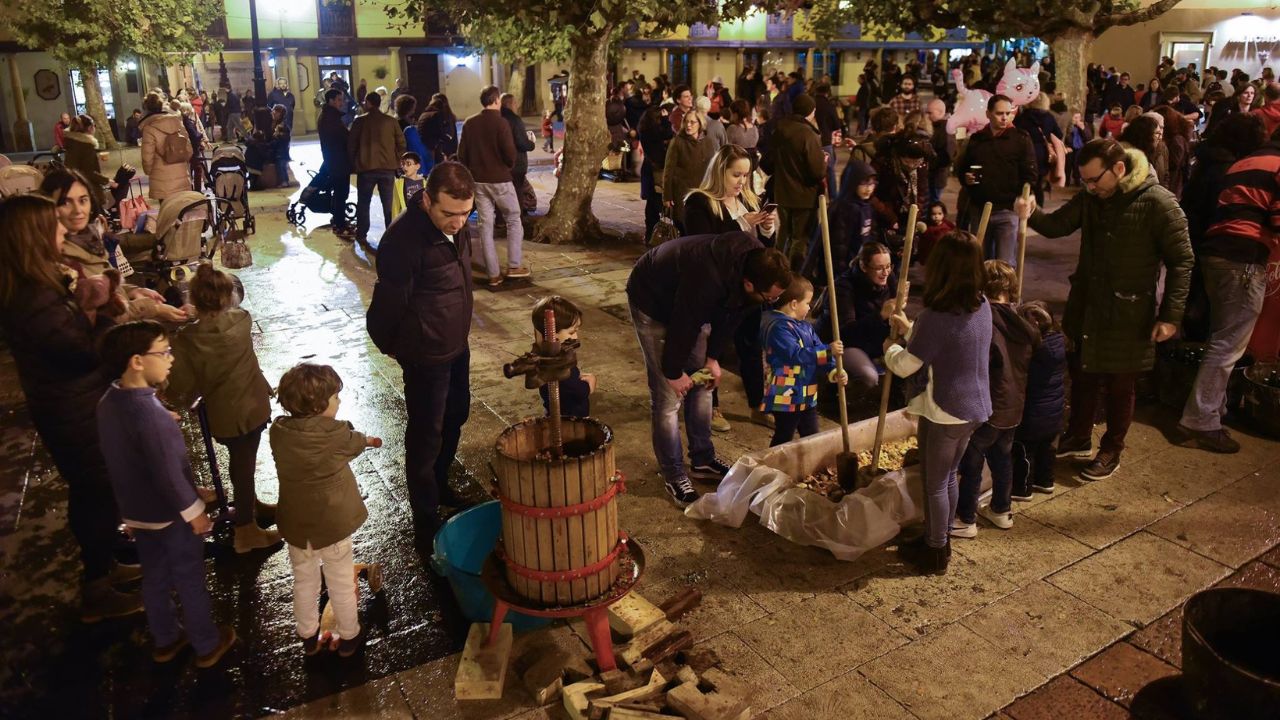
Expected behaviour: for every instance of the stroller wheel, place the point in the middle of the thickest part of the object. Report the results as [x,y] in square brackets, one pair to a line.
[350,212]
[302,217]
[290,216]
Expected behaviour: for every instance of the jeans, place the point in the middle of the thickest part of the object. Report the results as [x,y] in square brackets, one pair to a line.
[233,127]
[1236,293]
[336,562]
[1086,388]
[438,401]
[282,172]
[243,451]
[501,196]
[746,341]
[941,448]
[994,446]
[385,181]
[173,561]
[861,368]
[785,425]
[1001,242]
[1033,457]
[795,227]
[664,404]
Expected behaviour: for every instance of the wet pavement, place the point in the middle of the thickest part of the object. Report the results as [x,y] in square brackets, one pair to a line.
[1079,570]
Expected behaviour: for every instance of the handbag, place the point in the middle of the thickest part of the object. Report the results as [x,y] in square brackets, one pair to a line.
[235,251]
[132,207]
[664,231]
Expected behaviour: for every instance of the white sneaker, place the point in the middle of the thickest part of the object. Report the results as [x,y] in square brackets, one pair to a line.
[960,529]
[1004,520]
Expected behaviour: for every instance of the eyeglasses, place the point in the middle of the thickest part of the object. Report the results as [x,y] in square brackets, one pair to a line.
[1095,180]
[168,352]
[880,268]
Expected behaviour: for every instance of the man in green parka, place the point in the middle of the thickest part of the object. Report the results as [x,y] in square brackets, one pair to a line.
[1131,229]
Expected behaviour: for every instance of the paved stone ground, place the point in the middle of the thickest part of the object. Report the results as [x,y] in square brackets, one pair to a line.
[812,637]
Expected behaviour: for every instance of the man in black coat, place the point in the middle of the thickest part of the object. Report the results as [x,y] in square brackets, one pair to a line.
[996,163]
[420,315]
[686,299]
[335,173]
[519,173]
[1120,93]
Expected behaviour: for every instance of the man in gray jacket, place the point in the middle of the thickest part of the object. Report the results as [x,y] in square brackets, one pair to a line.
[374,147]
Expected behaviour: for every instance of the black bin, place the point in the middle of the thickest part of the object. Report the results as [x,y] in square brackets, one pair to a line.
[1231,653]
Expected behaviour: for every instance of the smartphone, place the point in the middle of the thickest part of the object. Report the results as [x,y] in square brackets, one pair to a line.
[769,207]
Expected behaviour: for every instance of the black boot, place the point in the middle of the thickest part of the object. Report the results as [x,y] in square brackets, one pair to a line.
[926,559]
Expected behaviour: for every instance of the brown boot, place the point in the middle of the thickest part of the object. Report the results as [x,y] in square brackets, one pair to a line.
[99,601]
[226,638]
[250,537]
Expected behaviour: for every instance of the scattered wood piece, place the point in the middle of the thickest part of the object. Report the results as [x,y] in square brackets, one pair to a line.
[633,615]
[578,668]
[618,681]
[655,688]
[682,602]
[576,698]
[483,668]
[626,713]
[629,654]
[541,671]
[687,700]
[686,675]
[700,659]
[668,646]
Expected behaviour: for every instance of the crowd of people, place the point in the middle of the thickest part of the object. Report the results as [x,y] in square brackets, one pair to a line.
[986,368]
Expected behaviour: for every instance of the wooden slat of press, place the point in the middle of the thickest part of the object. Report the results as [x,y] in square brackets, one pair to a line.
[575,479]
[528,497]
[546,536]
[559,529]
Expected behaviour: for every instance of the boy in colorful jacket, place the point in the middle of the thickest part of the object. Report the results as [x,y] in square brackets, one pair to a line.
[793,353]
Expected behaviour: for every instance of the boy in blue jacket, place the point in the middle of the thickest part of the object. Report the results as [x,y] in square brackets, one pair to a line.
[575,393]
[151,478]
[793,354]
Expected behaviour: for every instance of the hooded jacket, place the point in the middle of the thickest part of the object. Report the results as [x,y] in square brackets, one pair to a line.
[164,179]
[82,155]
[319,499]
[1270,114]
[793,353]
[853,220]
[1046,390]
[1013,339]
[214,358]
[1125,240]
[523,144]
[858,300]
[796,162]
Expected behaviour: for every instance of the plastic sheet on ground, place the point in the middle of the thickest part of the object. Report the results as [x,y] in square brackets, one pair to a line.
[764,483]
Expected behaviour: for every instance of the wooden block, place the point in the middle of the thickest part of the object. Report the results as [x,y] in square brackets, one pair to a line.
[668,646]
[656,688]
[483,668]
[681,603]
[575,698]
[541,671]
[632,652]
[617,681]
[626,713]
[687,700]
[701,659]
[686,675]
[633,615]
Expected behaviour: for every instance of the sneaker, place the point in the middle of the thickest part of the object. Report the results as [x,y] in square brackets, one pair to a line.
[761,417]
[1021,495]
[1046,489]
[1073,448]
[518,272]
[311,645]
[962,529]
[714,470]
[1101,467]
[226,638]
[495,281]
[166,653]
[1003,520]
[348,646]
[682,492]
[250,537]
[99,601]
[718,423]
[1219,441]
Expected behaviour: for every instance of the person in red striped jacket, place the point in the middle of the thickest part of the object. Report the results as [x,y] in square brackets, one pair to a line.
[1233,260]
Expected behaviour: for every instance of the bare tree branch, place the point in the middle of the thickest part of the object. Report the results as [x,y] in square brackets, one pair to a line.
[1151,12]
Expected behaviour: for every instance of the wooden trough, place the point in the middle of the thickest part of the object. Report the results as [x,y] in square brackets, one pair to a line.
[560,541]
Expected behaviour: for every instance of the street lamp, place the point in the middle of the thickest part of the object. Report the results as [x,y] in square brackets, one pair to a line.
[259,80]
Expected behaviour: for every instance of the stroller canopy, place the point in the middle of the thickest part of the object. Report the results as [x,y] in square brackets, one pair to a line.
[19,180]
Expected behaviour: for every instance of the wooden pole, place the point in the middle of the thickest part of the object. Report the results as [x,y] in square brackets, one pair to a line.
[553,387]
[835,315]
[1022,243]
[982,223]
[900,302]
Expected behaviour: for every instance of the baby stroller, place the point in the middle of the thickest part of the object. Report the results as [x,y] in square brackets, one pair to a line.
[317,197]
[19,180]
[183,239]
[229,178]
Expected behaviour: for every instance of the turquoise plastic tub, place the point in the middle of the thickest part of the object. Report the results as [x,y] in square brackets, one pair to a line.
[462,546]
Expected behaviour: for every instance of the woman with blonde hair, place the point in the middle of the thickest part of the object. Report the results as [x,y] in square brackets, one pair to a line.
[687,158]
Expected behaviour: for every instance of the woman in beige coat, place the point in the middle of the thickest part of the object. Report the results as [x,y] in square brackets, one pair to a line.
[165,178]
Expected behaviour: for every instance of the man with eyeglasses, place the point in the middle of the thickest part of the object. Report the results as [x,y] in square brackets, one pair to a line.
[420,315]
[996,163]
[686,298]
[1130,229]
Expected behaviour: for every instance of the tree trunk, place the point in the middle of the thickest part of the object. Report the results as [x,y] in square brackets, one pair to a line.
[95,107]
[515,82]
[586,141]
[1071,54]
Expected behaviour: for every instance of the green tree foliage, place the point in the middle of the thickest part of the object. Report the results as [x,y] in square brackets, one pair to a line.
[88,34]
[581,31]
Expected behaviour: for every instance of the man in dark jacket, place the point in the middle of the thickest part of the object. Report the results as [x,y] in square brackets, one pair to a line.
[489,152]
[335,172]
[686,298]
[1233,261]
[1130,227]
[232,127]
[798,166]
[828,126]
[520,172]
[420,315]
[1120,93]
[374,148]
[996,163]
[280,95]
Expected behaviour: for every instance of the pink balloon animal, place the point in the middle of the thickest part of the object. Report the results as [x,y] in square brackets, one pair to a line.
[1021,85]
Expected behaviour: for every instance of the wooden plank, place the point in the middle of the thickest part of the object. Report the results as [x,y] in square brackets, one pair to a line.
[577,555]
[626,713]
[546,541]
[560,529]
[633,652]
[681,603]
[541,671]
[668,646]
[633,615]
[528,525]
[512,536]
[687,700]
[656,688]
[607,531]
[591,526]
[609,467]
[575,698]
[483,668]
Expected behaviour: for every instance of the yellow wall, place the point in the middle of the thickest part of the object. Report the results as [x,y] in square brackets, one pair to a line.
[276,19]
[372,22]
[1136,49]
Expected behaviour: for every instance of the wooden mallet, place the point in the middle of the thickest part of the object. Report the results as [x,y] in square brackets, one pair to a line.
[1022,243]
[899,303]
[846,460]
[982,223]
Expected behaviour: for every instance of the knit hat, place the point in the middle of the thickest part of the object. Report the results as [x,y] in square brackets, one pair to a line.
[802,105]
[703,104]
